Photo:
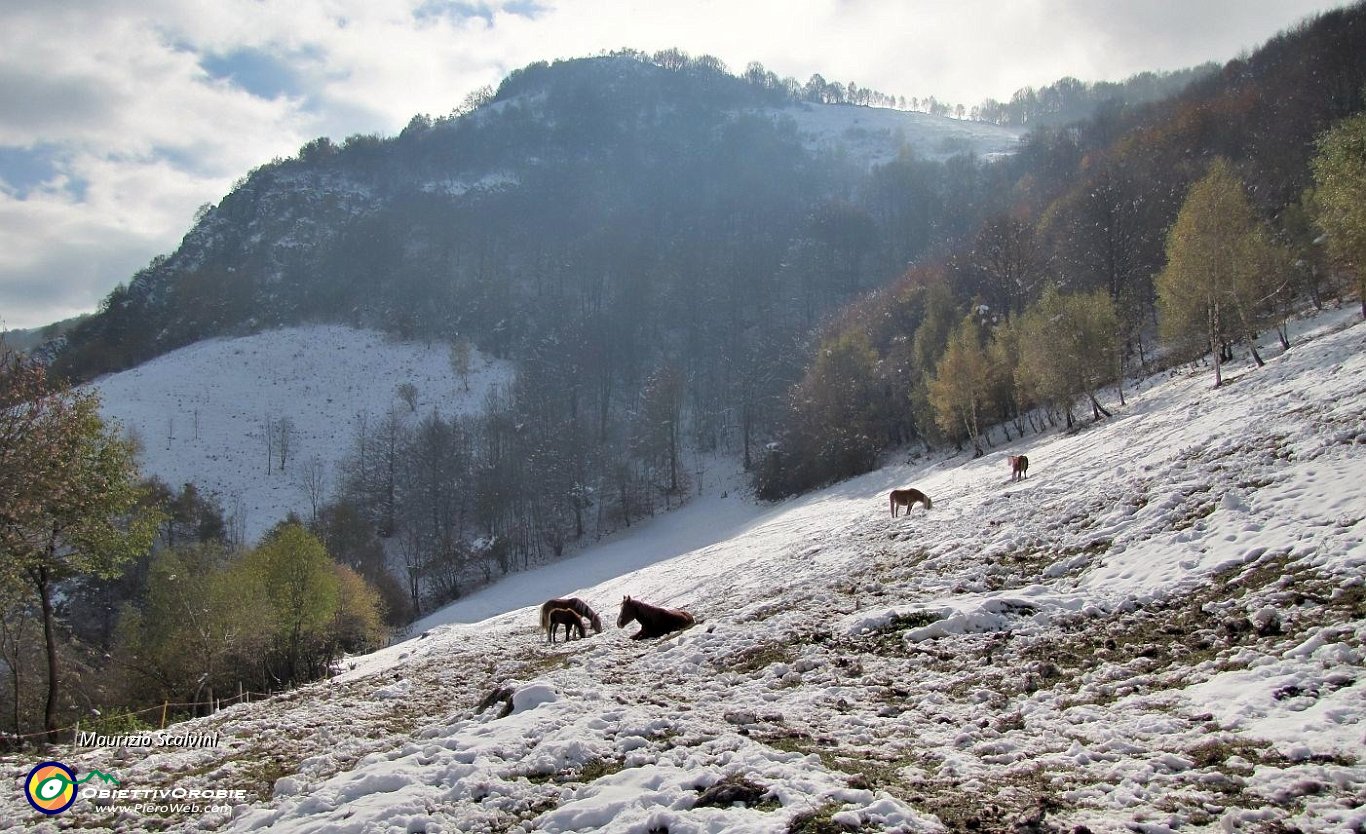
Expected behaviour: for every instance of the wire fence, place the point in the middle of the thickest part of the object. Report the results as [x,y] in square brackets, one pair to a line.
[165,708]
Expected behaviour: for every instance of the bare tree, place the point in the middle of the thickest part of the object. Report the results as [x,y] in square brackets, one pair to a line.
[284,437]
[460,362]
[268,433]
[408,393]
[314,481]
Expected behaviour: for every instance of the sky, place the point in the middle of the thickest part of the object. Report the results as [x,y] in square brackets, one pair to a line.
[119,119]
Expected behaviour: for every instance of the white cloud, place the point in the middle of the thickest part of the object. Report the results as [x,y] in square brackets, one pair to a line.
[141,133]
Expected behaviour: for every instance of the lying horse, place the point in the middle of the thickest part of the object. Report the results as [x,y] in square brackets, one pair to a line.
[654,621]
[1019,466]
[908,498]
[574,604]
[566,617]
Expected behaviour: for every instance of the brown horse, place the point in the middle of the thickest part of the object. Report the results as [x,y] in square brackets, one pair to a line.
[908,498]
[654,621]
[574,604]
[1019,466]
[564,617]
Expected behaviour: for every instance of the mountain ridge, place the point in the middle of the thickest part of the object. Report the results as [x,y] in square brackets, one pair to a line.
[271,251]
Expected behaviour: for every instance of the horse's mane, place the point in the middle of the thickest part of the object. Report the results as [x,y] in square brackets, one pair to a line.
[574,604]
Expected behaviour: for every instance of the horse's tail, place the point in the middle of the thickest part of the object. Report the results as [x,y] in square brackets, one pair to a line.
[891,500]
[927,502]
[545,616]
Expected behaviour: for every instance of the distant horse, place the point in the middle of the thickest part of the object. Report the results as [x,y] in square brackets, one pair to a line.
[574,604]
[564,617]
[1019,467]
[908,498]
[654,621]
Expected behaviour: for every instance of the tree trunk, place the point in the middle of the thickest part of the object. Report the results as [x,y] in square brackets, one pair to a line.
[44,585]
[1214,344]
[1123,366]
[1097,410]
[673,457]
[744,428]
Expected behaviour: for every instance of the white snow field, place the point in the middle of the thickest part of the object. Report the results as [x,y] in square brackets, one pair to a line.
[1161,629]
[200,412]
[876,135]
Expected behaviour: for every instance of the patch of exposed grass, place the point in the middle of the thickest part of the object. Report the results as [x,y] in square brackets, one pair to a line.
[871,773]
[791,742]
[590,771]
[1014,802]
[737,788]
[595,769]
[819,821]
[542,662]
[1215,752]
[887,640]
[262,773]
[757,657]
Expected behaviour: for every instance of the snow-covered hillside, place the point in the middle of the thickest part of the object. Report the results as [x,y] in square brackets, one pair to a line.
[200,412]
[876,135]
[1160,629]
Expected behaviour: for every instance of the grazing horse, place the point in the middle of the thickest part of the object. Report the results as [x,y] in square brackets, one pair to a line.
[908,498]
[654,621]
[1019,467]
[564,617]
[574,604]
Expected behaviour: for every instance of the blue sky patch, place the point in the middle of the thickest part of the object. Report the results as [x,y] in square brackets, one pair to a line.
[258,72]
[24,169]
[466,9]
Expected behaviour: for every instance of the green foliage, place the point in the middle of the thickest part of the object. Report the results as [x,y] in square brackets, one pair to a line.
[1068,347]
[1340,195]
[1003,360]
[116,721]
[836,415]
[296,576]
[1218,259]
[70,498]
[211,620]
[201,621]
[358,622]
[961,384]
[70,487]
[840,399]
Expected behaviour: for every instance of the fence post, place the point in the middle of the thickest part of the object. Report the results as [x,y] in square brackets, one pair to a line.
[164,705]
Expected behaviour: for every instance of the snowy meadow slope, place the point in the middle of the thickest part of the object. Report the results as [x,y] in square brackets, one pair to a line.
[1161,629]
[200,412]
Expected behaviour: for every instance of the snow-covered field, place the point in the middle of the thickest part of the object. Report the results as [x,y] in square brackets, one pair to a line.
[200,412]
[1161,629]
[876,135]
